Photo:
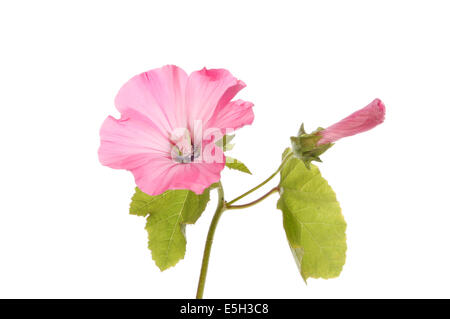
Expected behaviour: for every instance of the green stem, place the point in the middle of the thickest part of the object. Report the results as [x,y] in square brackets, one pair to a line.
[221,207]
[209,240]
[273,190]
[263,183]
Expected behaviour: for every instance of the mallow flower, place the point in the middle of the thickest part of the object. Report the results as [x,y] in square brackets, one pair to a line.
[168,127]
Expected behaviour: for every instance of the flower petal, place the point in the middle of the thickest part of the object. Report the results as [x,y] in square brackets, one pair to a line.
[157,94]
[232,116]
[130,142]
[160,175]
[208,90]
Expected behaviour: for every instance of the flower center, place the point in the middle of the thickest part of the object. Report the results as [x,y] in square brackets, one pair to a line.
[184,150]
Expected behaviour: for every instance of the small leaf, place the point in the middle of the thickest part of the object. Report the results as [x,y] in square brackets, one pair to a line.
[168,215]
[237,165]
[312,219]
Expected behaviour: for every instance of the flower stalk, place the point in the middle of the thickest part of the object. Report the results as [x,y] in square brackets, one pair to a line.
[209,240]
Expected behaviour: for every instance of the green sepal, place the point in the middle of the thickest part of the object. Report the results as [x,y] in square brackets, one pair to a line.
[233,163]
[305,148]
[224,142]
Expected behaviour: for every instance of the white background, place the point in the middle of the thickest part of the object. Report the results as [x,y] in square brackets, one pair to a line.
[64,224]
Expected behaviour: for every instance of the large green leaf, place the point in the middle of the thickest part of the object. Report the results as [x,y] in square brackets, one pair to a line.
[233,163]
[312,219]
[167,216]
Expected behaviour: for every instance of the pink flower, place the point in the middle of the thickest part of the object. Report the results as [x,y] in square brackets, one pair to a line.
[169,123]
[358,122]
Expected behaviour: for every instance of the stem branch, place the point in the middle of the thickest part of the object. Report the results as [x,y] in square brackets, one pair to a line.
[264,182]
[273,190]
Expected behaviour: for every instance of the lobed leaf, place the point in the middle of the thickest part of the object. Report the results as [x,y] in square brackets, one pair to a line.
[167,215]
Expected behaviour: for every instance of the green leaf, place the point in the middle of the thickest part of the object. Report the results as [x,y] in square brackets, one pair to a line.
[312,219]
[167,216]
[236,164]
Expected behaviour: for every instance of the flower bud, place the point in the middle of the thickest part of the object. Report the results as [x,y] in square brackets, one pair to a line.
[358,122]
[308,147]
